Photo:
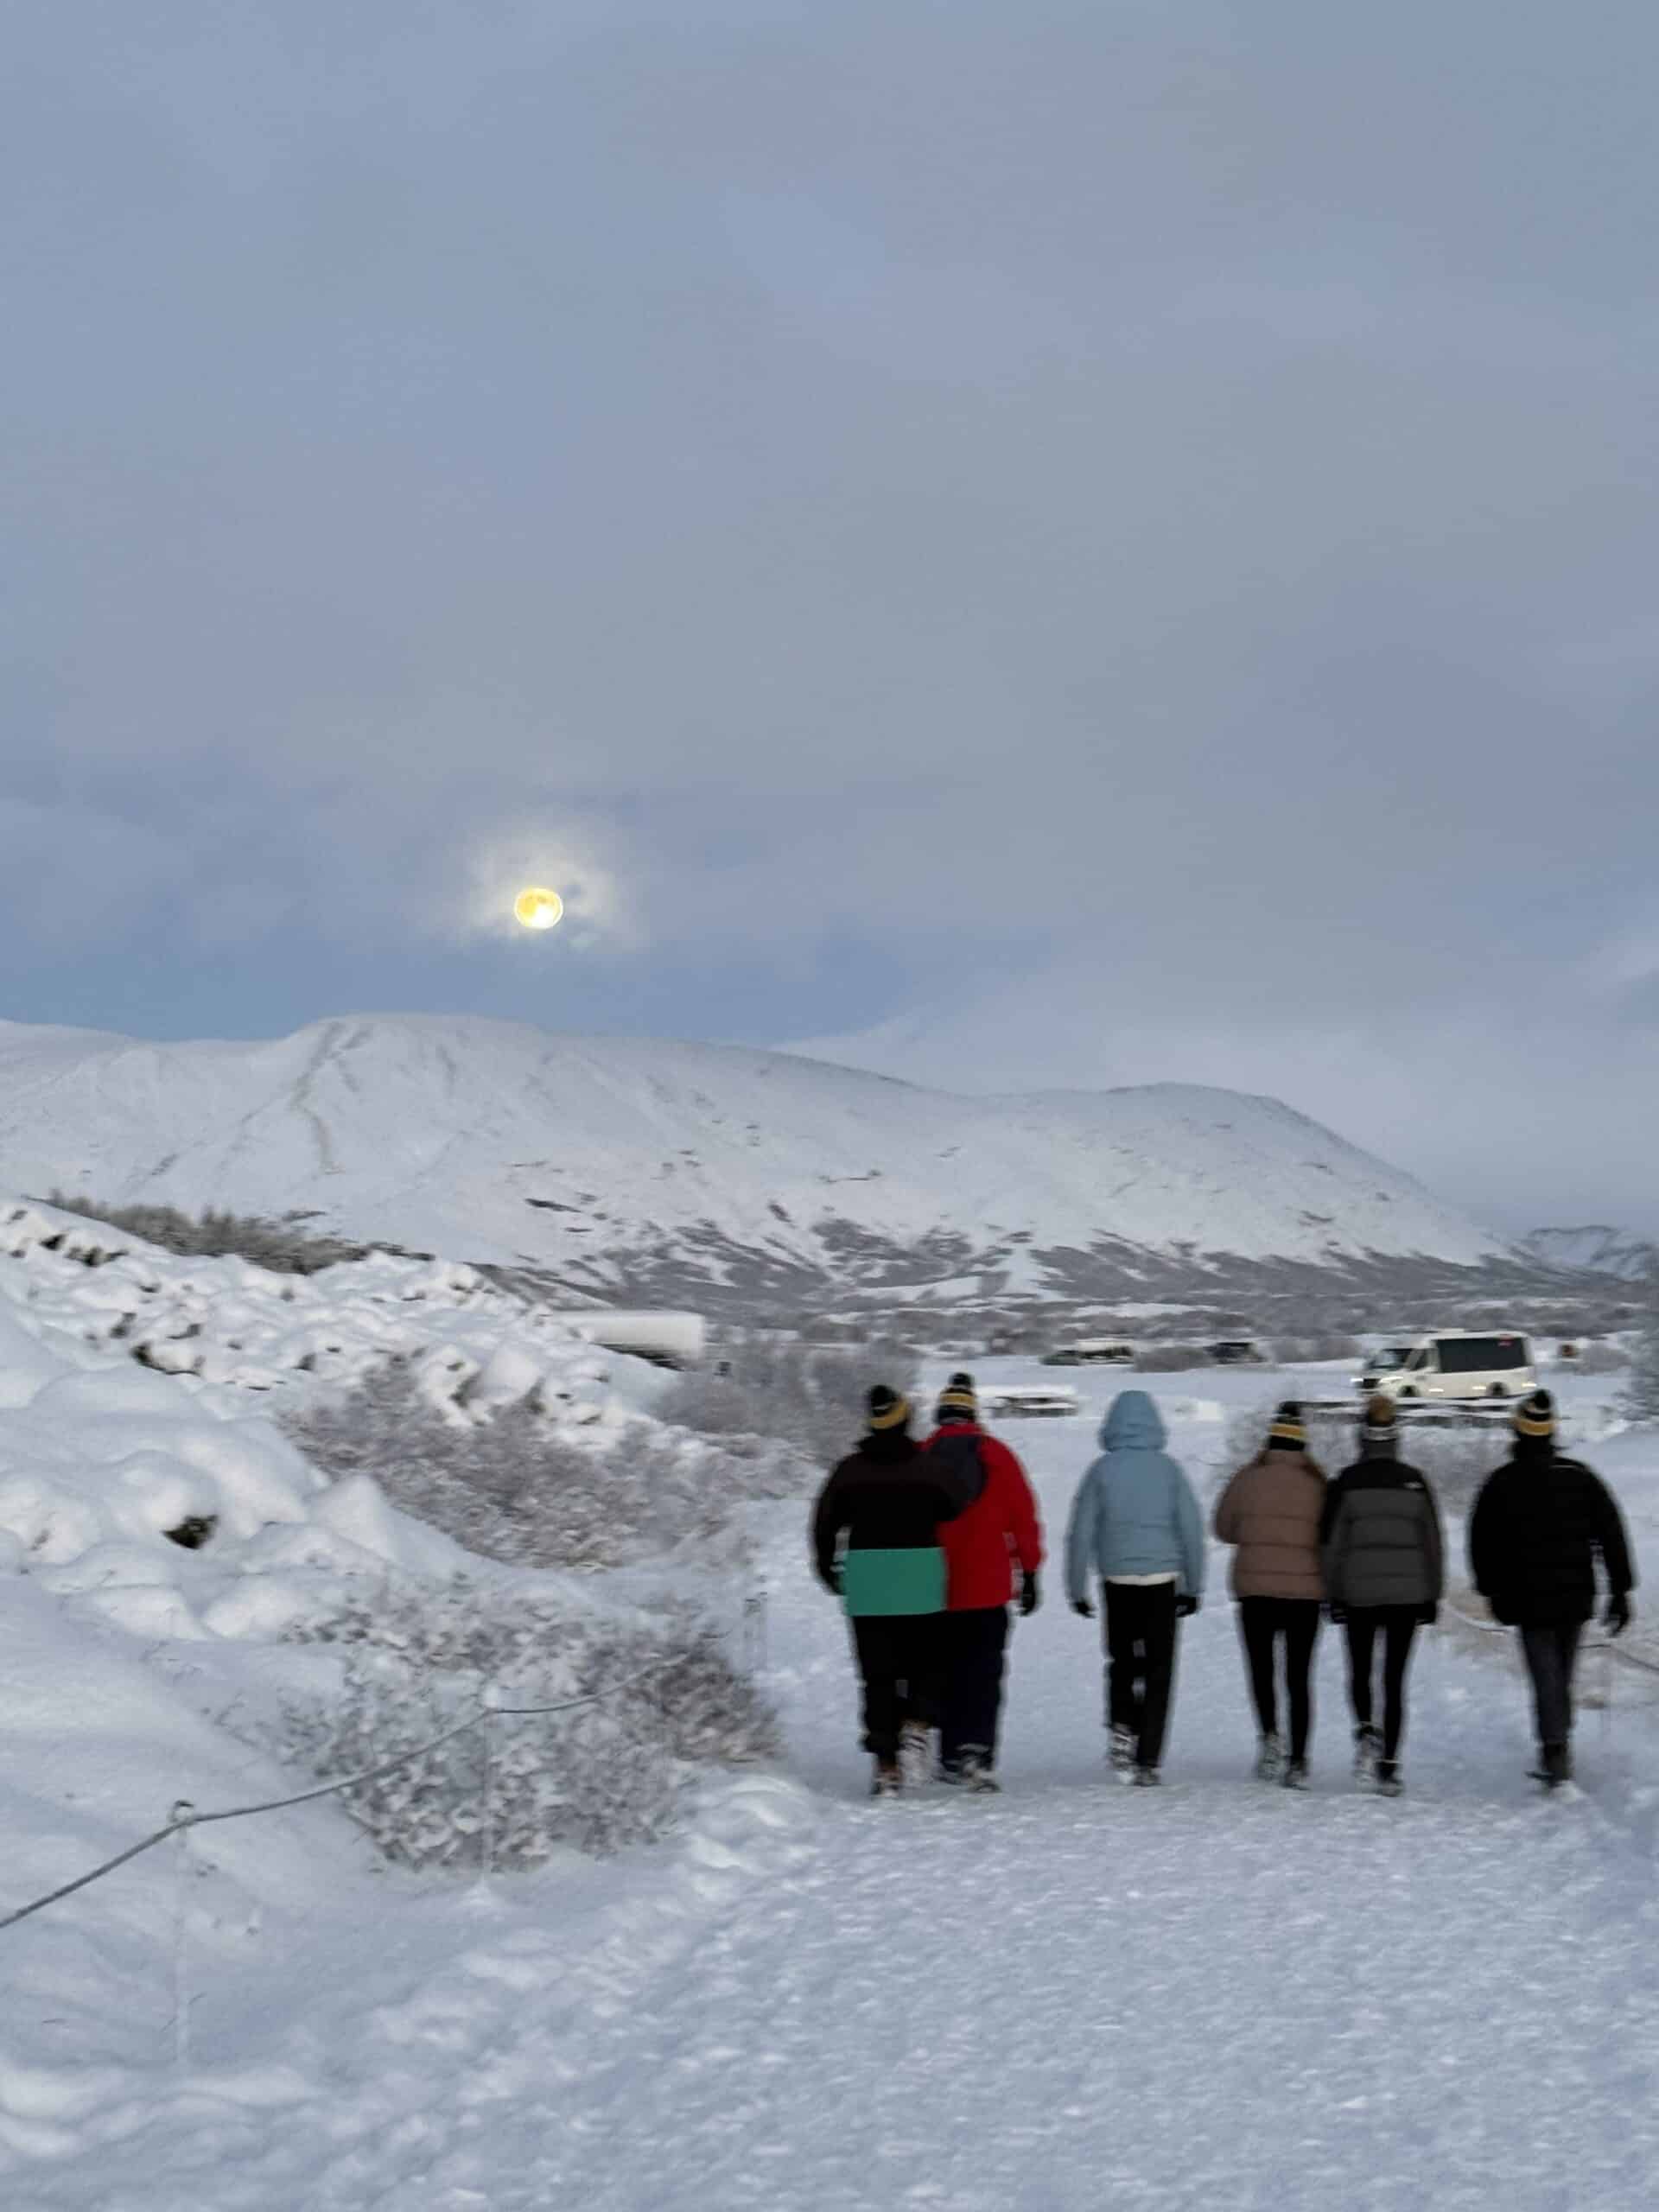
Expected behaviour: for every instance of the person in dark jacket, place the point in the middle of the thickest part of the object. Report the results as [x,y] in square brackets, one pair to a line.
[1382,1558]
[1539,1526]
[875,1546]
[997,1531]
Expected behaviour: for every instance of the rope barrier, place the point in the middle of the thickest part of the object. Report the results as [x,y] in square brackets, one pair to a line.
[1607,1643]
[186,1817]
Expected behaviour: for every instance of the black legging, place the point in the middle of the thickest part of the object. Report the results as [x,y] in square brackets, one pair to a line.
[1398,1624]
[1261,1621]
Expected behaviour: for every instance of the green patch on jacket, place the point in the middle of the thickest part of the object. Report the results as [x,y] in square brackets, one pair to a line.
[909,1581]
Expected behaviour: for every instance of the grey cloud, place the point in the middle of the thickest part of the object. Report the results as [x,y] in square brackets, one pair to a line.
[1155,503]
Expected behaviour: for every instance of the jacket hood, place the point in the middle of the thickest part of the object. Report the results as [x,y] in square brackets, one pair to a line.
[1133,1423]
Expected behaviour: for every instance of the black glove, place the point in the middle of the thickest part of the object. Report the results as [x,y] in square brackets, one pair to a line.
[830,1582]
[1186,1607]
[1030,1596]
[1616,1618]
[1081,1606]
[1336,1615]
[1427,1615]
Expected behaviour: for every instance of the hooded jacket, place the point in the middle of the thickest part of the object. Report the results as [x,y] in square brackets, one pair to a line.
[1536,1530]
[998,1526]
[1134,1512]
[1270,1510]
[1380,1535]
[875,1528]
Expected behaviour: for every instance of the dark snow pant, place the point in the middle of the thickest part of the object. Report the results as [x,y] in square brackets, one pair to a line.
[974,1646]
[1140,1632]
[1397,1625]
[1261,1623]
[897,1661]
[1551,1651]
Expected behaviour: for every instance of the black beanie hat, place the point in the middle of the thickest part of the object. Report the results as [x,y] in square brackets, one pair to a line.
[1535,1417]
[888,1409]
[957,1400]
[1287,1434]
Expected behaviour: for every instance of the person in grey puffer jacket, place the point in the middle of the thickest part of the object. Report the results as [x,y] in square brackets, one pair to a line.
[1135,1523]
[1383,1557]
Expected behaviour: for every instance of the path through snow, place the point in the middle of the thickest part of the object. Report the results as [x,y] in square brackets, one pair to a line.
[1069,1996]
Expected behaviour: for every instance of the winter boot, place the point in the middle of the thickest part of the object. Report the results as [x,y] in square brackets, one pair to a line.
[915,1752]
[1147,1777]
[1553,1767]
[974,1772]
[1269,1759]
[1295,1774]
[1120,1748]
[888,1781]
[1368,1752]
[1389,1783]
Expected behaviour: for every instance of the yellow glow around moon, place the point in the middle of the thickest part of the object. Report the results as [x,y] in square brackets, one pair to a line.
[538,909]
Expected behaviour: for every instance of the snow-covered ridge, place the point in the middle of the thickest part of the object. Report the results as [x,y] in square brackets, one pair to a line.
[626,1164]
[1596,1249]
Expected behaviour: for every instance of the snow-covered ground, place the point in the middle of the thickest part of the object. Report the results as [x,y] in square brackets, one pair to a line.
[1070,1996]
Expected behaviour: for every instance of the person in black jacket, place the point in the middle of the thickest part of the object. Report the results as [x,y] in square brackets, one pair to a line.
[1538,1527]
[1381,1549]
[875,1546]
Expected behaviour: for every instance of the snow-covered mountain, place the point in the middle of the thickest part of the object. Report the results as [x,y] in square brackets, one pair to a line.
[644,1168]
[1595,1249]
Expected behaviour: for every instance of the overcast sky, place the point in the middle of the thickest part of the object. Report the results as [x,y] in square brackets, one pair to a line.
[1120,536]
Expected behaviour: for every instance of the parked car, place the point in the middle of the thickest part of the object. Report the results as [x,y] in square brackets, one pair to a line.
[1459,1363]
[1022,1400]
[1091,1351]
[1238,1351]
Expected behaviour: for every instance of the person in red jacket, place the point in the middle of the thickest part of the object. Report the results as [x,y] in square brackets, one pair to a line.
[996,1529]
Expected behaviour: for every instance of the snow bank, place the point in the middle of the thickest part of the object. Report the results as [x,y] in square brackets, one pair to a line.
[136,1388]
[225,1322]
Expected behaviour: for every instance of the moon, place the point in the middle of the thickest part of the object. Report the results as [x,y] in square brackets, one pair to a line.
[539,909]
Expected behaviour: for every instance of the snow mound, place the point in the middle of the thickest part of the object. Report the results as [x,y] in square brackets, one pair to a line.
[140,1473]
[225,1322]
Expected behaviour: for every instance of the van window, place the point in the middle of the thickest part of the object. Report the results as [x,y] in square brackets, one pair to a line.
[1481,1355]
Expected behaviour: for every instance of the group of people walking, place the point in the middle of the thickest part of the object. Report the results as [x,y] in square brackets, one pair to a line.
[923,1541]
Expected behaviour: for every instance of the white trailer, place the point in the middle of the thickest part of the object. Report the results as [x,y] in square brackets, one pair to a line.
[669,1339]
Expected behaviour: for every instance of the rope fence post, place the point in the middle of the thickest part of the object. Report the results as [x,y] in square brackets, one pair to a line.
[754,1630]
[486,1823]
[180,1819]
[1609,1672]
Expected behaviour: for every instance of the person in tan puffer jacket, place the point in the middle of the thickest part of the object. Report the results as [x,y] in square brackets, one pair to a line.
[1270,1511]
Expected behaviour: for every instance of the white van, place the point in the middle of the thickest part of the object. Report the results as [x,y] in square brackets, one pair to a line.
[1457,1363]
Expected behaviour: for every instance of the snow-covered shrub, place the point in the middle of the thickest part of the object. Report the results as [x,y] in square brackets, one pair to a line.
[282,1246]
[1171,1358]
[595,1776]
[1640,1398]
[1600,1359]
[813,1399]
[524,1489]
[1456,1460]
[1302,1351]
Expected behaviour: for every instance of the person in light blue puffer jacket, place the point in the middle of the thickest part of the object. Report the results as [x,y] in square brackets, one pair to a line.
[1135,1523]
